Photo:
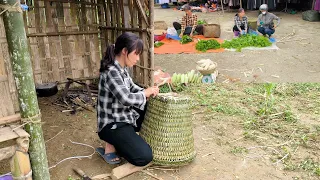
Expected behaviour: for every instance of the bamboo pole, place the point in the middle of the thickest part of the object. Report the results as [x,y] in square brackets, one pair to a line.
[222,7]
[62,33]
[22,71]
[151,39]
[313,3]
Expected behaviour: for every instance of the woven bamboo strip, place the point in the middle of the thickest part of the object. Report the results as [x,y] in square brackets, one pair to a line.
[6,105]
[167,128]
[7,68]
[65,41]
[151,42]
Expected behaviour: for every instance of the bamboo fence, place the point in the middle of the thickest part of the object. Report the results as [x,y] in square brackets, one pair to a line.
[8,95]
[64,39]
[135,16]
[67,39]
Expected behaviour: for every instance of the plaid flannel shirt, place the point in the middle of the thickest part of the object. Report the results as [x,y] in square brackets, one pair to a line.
[117,96]
[239,23]
[189,21]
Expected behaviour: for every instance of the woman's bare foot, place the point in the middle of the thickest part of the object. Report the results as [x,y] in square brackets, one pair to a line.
[110,149]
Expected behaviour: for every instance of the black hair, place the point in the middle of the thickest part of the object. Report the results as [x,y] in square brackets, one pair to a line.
[127,40]
[240,10]
[186,7]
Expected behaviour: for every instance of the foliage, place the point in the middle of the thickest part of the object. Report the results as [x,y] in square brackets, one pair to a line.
[164,88]
[246,41]
[202,22]
[284,130]
[158,44]
[204,45]
[267,106]
[185,39]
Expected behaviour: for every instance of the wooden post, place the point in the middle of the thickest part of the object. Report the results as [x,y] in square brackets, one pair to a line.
[23,74]
[313,3]
[222,6]
[240,3]
[151,41]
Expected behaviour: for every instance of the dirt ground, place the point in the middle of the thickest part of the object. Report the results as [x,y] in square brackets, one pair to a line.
[227,136]
[220,137]
[295,61]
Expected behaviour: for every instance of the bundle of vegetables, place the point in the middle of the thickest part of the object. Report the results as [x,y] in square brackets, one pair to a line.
[204,45]
[185,39]
[247,41]
[206,66]
[158,44]
[190,77]
[202,22]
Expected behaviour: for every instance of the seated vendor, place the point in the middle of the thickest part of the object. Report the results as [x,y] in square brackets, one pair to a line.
[189,23]
[208,4]
[241,23]
[265,21]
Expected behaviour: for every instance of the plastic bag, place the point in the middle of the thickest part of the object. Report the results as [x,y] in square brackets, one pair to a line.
[172,31]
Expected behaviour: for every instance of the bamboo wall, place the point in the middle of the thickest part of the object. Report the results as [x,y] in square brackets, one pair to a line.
[67,39]
[64,39]
[8,96]
[135,16]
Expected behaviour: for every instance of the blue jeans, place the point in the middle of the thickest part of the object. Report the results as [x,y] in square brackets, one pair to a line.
[265,31]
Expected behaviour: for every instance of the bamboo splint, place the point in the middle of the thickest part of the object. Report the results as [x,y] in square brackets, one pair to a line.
[20,162]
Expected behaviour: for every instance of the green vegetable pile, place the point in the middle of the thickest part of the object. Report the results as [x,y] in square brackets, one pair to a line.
[185,39]
[246,41]
[158,44]
[202,22]
[204,45]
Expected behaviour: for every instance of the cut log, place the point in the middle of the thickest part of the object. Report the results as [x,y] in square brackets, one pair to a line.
[20,166]
[125,170]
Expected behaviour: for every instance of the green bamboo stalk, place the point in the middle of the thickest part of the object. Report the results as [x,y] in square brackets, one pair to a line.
[23,74]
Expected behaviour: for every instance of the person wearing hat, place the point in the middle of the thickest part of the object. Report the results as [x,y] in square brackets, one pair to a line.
[265,22]
[189,23]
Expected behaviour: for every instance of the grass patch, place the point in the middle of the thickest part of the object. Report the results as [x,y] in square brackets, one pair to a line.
[239,150]
[311,166]
[269,115]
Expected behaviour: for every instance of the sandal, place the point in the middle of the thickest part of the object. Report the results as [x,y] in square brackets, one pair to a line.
[109,156]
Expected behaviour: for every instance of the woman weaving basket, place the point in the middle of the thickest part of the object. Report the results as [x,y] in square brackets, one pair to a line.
[122,104]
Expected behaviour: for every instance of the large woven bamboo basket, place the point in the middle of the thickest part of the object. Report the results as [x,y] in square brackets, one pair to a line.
[167,128]
[253,25]
[160,25]
[211,30]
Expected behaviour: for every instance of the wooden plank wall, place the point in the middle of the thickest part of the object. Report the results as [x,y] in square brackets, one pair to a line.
[8,96]
[64,39]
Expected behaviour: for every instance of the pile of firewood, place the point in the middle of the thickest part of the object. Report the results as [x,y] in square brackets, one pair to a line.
[77,99]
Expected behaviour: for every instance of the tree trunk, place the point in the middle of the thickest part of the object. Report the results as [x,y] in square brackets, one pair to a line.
[23,74]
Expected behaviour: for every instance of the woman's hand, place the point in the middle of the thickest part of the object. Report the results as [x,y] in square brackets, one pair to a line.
[151,91]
